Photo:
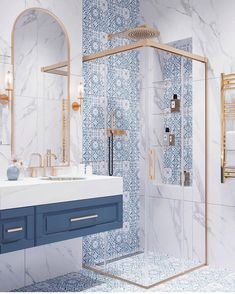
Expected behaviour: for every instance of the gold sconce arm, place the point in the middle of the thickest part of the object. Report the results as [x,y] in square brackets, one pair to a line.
[78,105]
[4,99]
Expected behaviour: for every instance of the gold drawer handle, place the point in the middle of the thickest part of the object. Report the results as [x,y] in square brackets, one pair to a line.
[14,230]
[76,219]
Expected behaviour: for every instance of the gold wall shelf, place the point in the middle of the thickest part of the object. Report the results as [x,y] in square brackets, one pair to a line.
[60,68]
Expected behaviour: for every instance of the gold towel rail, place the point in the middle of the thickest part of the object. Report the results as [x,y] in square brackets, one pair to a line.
[152,164]
[227,113]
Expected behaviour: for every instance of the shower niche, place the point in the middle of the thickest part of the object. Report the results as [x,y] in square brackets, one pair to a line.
[169,107]
[162,159]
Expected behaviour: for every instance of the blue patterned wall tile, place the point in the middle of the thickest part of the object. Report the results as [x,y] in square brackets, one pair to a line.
[96,15]
[100,168]
[115,79]
[94,112]
[95,79]
[94,145]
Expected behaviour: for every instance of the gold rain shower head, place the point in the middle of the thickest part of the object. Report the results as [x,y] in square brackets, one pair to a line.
[139,33]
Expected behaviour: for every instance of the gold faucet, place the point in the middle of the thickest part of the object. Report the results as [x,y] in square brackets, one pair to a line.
[47,162]
[40,158]
[33,169]
[48,156]
[42,163]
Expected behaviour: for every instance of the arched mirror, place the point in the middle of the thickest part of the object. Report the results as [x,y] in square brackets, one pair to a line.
[40,121]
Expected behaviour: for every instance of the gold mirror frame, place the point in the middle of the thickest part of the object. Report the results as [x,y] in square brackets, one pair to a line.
[66,141]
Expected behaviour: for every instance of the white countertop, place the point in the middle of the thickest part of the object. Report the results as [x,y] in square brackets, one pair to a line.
[34,191]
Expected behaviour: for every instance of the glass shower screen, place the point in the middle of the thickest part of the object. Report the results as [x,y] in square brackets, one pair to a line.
[164,174]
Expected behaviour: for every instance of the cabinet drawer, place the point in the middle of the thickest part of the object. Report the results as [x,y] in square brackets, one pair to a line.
[73,219]
[17,229]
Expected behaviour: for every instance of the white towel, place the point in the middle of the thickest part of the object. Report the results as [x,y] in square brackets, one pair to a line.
[230,159]
[230,140]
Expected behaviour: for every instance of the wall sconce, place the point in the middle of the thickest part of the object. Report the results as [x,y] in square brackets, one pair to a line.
[78,105]
[5,97]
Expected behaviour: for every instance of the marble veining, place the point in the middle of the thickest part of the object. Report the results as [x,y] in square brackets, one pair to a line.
[207,22]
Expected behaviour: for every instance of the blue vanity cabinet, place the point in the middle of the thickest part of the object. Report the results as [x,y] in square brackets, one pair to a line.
[62,221]
[16,229]
[26,227]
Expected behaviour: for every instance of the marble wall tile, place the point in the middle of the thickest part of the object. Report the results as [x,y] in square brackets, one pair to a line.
[25,56]
[171,18]
[5,109]
[221,240]
[179,14]
[5,156]
[165,225]
[207,22]
[176,228]
[26,127]
[12,271]
[52,260]
[210,34]
[13,9]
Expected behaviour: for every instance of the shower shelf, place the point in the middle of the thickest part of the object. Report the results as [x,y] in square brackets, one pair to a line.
[227,114]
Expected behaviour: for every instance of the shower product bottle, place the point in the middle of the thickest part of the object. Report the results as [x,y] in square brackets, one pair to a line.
[175,104]
[187,178]
[172,140]
[166,137]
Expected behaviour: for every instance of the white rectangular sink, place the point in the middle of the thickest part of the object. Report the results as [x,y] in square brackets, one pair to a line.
[63,178]
[30,192]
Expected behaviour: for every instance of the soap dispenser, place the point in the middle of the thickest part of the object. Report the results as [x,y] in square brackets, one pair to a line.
[175,104]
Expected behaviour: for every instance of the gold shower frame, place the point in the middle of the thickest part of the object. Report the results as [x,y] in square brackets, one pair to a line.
[51,69]
[155,45]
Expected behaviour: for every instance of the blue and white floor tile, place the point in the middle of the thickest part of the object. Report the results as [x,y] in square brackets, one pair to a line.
[206,279]
[147,269]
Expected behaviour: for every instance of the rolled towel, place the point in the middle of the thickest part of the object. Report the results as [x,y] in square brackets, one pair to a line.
[230,140]
[230,159]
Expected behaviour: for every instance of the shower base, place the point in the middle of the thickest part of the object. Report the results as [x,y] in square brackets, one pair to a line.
[145,269]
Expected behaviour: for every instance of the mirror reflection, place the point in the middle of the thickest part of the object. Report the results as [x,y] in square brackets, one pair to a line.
[41,90]
[6,84]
